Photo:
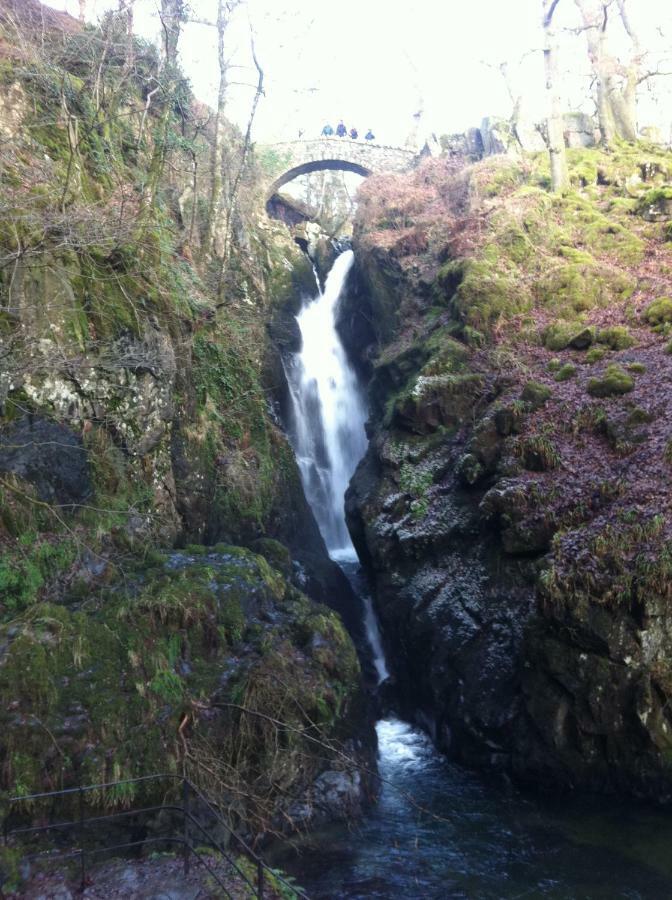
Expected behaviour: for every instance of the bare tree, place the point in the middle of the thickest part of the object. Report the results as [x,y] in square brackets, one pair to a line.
[126,6]
[232,196]
[172,15]
[556,137]
[616,81]
[225,9]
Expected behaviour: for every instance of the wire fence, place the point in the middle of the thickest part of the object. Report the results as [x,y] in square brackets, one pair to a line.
[186,825]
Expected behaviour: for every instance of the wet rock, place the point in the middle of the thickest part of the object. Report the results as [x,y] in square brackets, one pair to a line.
[48,455]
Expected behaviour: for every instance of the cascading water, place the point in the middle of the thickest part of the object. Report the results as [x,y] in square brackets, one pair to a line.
[438,831]
[327,429]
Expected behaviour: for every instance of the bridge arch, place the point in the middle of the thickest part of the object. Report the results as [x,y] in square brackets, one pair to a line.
[317,165]
[288,160]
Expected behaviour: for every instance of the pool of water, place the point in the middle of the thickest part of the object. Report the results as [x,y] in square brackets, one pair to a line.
[439,831]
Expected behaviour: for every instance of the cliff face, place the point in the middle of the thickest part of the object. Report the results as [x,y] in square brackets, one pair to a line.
[137,386]
[514,506]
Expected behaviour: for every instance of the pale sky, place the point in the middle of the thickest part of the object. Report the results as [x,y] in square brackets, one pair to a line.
[374,63]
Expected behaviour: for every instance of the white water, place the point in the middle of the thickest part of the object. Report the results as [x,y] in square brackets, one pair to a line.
[327,431]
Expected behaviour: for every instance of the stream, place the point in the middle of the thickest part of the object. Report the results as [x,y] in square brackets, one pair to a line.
[438,830]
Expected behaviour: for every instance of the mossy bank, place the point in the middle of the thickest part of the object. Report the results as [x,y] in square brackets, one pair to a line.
[514,505]
[138,390]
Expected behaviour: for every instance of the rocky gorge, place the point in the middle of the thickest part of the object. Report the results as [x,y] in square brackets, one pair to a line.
[167,600]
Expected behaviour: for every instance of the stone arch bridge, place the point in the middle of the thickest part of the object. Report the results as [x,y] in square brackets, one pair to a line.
[288,160]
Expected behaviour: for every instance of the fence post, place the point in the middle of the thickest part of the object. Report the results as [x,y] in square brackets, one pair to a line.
[185,832]
[260,879]
[82,857]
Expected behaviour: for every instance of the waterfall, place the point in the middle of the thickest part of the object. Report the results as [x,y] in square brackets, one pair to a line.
[327,429]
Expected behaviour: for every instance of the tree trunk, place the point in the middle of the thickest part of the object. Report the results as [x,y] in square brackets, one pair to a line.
[233,192]
[214,240]
[172,14]
[217,159]
[126,6]
[632,76]
[615,83]
[556,136]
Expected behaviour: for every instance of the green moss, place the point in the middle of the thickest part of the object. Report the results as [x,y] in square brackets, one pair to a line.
[431,402]
[486,290]
[622,561]
[561,335]
[196,549]
[575,255]
[135,665]
[536,394]
[10,868]
[636,367]
[614,381]
[656,202]
[448,356]
[595,354]
[554,365]
[572,288]
[234,428]
[30,564]
[639,416]
[416,481]
[659,312]
[566,372]
[499,176]
[583,168]
[616,337]
[275,554]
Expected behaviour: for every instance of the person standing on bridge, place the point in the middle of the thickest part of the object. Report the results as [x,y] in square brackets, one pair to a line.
[341,130]
[327,131]
[369,136]
[354,134]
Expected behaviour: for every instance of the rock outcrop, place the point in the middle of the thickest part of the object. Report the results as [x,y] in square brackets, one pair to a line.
[138,413]
[513,508]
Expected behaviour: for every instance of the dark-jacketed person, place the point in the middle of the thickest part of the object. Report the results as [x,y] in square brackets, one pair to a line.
[341,130]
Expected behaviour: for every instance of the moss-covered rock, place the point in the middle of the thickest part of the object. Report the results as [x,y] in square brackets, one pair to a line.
[565,372]
[561,335]
[525,580]
[616,337]
[207,643]
[538,452]
[510,419]
[613,382]
[482,291]
[436,401]
[595,355]
[536,394]
[656,203]
[659,312]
